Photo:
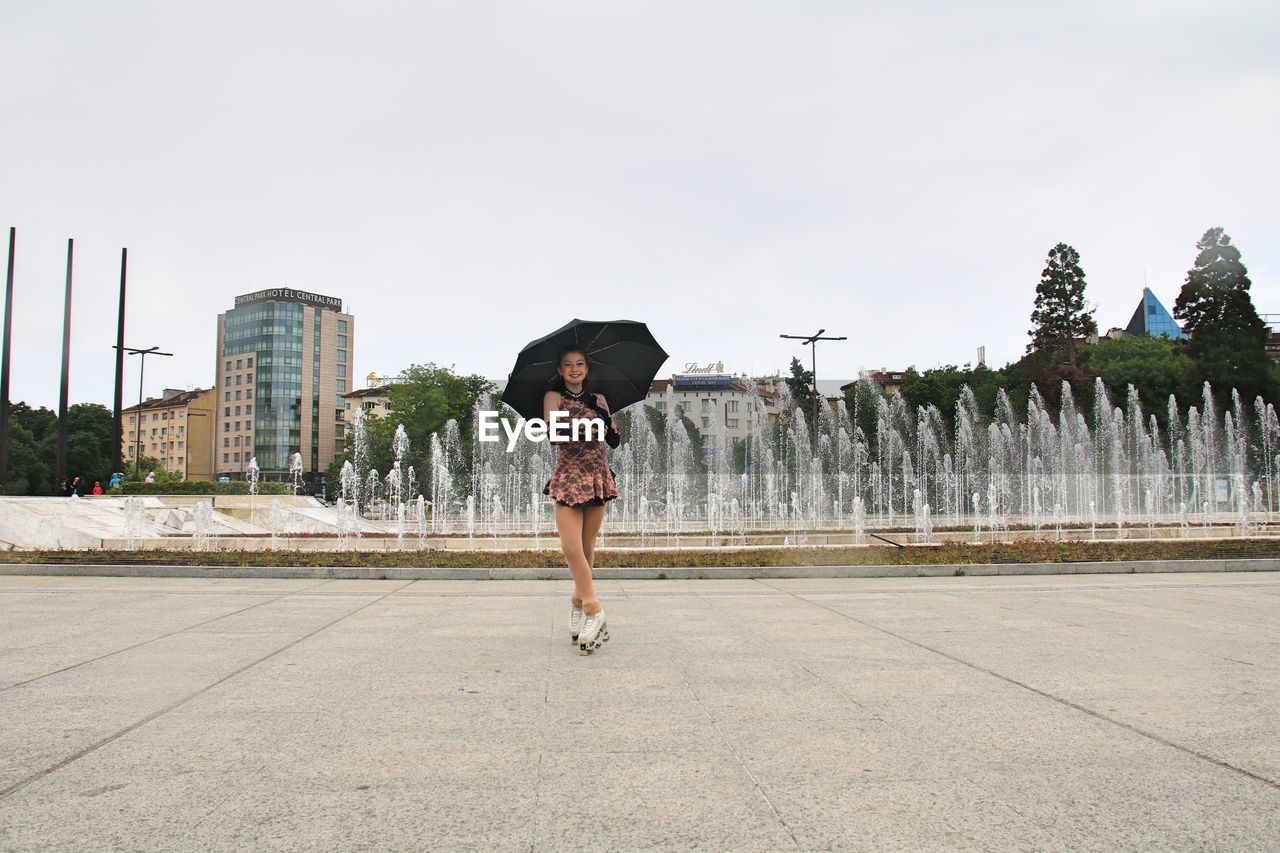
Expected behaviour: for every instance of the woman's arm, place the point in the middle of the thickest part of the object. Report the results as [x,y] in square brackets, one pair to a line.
[612,436]
[603,405]
[550,403]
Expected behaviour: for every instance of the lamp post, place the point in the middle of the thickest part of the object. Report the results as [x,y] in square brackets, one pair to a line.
[142,367]
[812,341]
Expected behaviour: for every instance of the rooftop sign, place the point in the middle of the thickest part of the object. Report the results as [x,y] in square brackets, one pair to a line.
[285,294]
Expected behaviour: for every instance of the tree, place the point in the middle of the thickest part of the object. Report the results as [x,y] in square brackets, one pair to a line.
[1228,338]
[89,428]
[802,392]
[1156,367]
[941,387]
[1060,317]
[423,403]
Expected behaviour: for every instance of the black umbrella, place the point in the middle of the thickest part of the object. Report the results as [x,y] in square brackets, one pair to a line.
[623,356]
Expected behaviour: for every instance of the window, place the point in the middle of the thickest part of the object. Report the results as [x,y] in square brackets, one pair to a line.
[342,370]
[164,430]
[153,432]
[237,395]
[237,441]
[164,416]
[226,441]
[154,416]
[179,444]
[224,457]
[731,407]
[708,405]
[248,410]
[226,413]
[706,422]
[248,379]
[226,426]
[228,364]
[239,364]
[181,430]
[237,426]
[237,456]
[226,397]
[337,430]
[248,362]
[342,325]
[342,355]
[342,341]
[130,418]
[661,405]
[239,378]
[342,385]
[237,410]
[731,423]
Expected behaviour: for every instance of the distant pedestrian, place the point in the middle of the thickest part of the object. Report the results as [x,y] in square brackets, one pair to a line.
[116,480]
[97,487]
[151,477]
[76,488]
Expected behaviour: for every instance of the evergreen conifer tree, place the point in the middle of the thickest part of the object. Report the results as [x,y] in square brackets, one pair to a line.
[1060,317]
[1228,338]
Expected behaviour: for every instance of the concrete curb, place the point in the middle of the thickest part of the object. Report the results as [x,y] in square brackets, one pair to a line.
[672,573]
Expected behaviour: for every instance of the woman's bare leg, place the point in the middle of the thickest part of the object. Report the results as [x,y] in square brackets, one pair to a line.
[569,523]
[592,518]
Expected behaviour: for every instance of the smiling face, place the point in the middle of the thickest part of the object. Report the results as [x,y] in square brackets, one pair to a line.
[573,370]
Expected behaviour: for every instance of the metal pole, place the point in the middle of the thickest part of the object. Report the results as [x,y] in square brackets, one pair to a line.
[4,365]
[117,428]
[61,468]
[142,372]
[813,351]
[137,454]
[812,340]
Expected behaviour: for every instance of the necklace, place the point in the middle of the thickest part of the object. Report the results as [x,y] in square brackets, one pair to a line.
[580,396]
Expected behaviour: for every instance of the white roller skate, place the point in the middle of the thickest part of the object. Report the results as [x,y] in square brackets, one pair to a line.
[593,634]
[575,621]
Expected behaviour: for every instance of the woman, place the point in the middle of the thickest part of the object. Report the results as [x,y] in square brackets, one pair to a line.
[581,483]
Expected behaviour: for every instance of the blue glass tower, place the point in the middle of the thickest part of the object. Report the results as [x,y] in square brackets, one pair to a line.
[1151,318]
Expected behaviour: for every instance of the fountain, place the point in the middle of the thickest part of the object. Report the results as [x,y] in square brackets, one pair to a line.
[295,474]
[202,525]
[133,521]
[1097,470]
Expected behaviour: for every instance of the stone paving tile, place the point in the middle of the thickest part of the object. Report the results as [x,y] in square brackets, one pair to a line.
[810,714]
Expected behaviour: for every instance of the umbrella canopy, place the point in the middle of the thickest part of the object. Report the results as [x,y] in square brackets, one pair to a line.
[623,356]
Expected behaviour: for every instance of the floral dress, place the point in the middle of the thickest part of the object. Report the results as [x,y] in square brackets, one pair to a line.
[581,476]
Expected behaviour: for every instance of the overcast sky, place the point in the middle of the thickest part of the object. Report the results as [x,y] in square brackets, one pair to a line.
[469,176]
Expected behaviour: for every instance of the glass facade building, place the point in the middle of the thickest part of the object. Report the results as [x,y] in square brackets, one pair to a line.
[1151,318]
[284,361]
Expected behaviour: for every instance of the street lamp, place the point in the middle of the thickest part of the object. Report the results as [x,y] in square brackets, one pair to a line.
[142,367]
[812,341]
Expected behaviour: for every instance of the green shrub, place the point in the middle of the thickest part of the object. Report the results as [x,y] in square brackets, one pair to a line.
[199,487]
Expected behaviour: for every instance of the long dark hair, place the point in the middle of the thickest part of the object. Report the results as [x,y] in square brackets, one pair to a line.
[556,382]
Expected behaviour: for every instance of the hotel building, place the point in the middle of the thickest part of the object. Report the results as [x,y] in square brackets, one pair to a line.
[284,361]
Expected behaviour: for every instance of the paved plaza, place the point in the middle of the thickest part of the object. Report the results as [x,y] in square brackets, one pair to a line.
[1060,712]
